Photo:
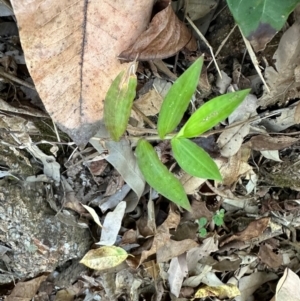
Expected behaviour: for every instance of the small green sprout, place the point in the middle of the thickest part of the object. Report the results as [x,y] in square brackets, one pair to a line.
[218,217]
[202,223]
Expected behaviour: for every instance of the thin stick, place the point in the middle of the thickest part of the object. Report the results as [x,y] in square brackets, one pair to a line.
[145,118]
[223,43]
[206,42]
[254,60]
[15,79]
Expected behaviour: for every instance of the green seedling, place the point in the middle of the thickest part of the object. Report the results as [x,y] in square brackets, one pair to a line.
[218,217]
[201,229]
[190,157]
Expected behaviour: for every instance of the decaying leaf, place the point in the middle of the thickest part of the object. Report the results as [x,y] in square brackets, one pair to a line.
[25,291]
[253,230]
[222,291]
[112,225]
[93,214]
[177,271]
[270,258]
[174,248]
[249,284]
[197,9]
[165,36]
[71,52]
[122,158]
[263,142]
[287,287]
[282,82]
[104,258]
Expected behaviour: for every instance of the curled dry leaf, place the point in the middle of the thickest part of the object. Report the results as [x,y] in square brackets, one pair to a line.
[253,230]
[93,214]
[165,36]
[71,50]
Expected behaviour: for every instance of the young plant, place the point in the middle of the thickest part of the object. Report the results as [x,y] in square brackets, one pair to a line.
[201,229]
[218,217]
[190,157]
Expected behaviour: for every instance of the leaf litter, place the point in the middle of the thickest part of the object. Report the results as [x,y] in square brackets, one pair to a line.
[148,247]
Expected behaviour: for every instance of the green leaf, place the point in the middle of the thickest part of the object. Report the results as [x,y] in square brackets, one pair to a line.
[203,232]
[194,160]
[211,113]
[218,217]
[202,222]
[178,98]
[158,176]
[118,102]
[260,20]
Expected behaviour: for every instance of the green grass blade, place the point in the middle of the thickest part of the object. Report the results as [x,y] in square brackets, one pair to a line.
[194,160]
[178,98]
[211,113]
[118,103]
[158,176]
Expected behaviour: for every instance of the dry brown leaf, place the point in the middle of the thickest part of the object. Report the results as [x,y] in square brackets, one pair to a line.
[152,268]
[174,248]
[71,50]
[165,36]
[253,230]
[267,256]
[283,83]
[263,142]
[160,239]
[25,291]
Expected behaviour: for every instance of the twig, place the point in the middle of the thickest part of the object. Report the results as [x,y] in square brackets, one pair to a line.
[223,43]
[15,79]
[206,42]
[145,118]
[254,60]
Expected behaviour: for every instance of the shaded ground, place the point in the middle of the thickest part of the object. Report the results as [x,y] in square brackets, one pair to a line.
[241,233]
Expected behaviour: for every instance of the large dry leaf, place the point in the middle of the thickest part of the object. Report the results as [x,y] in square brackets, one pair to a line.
[284,81]
[288,286]
[71,49]
[165,36]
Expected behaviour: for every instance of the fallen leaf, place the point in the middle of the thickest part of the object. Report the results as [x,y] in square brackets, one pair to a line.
[253,230]
[268,257]
[112,225]
[73,46]
[221,292]
[122,158]
[263,142]
[93,214]
[174,248]
[272,155]
[208,246]
[104,258]
[249,284]
[197,9]
[177,271]
[165,36]
[152,268]
[281,81]
[25,291]
[282,122]
[287,287]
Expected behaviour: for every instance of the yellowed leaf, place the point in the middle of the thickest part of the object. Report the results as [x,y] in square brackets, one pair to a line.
[104,258]
[93,214]
[222,291]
